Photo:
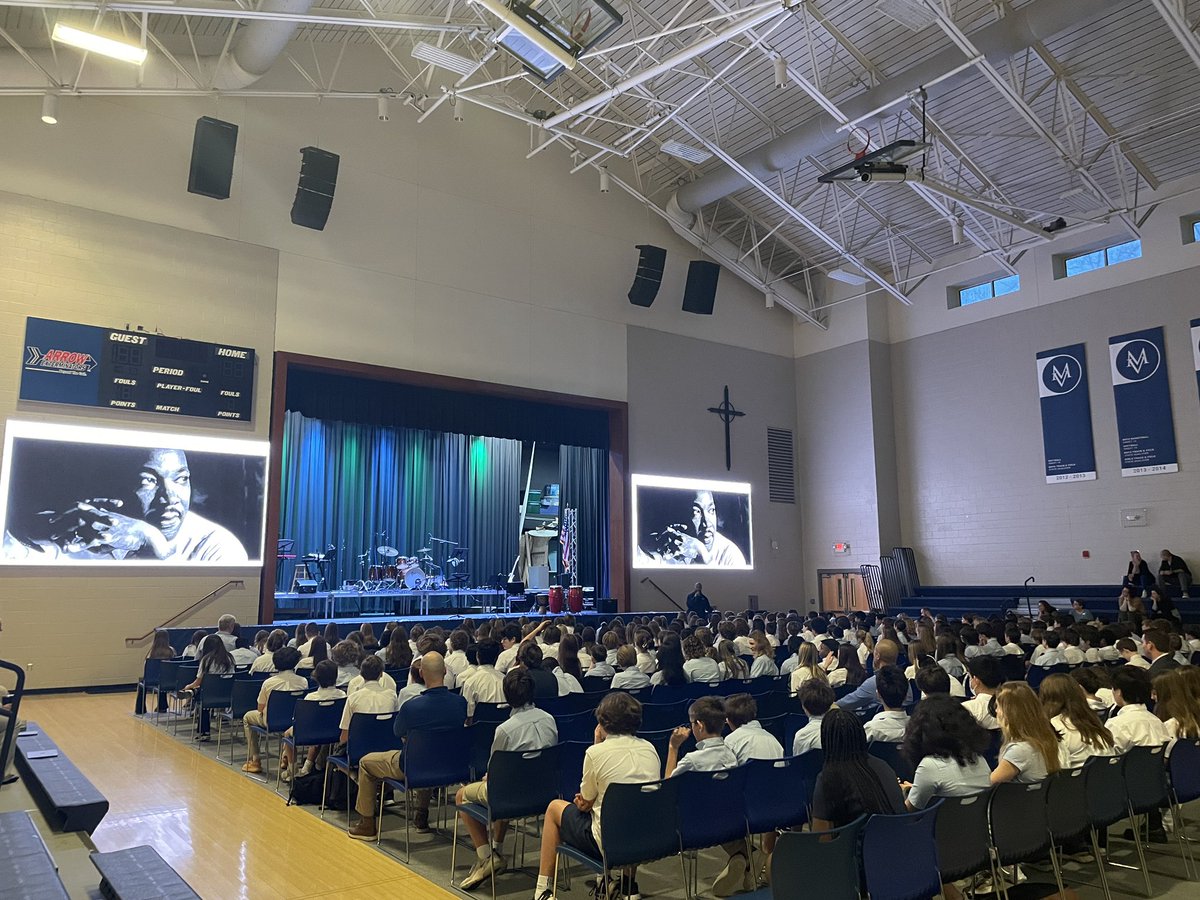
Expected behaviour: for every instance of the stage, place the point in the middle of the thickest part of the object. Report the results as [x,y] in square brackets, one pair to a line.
[404,603]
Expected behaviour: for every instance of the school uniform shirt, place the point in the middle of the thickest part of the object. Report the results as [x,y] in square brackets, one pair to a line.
[1183,657]
[992,648]
[600,670]
[808,737]
[710,755]
[283,681]
[507,659]
[631,679]
[763,666]
[611,658]
[1106,698]
[305,648]
[345,675]
[1073,655]
[1072,751]
[1136,726]
[1024,756]
[1013,650]
[863,654]
[618,759]
[265,663]
[244,656]
[752,741]
[1109,654]
[456,663]
[741,645]
[550,650]
[942,776]
[646,662]
[1137,662]
[408,692]
[567,683]
[329,693]
[978,707]
[358,681]
[837,678]
[485,686]
[527,728]
[1194,644]
[448,679]
[1091,655]
[704,669]
[1044,656]
[789,664]
[887,726]
[372,697]
[798,677]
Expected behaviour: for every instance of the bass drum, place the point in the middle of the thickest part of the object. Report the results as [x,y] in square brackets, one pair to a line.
[414,579]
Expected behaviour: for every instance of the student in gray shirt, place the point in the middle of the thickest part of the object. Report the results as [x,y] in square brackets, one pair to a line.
[630,678]
[816,697]
[947,744]
[526,728]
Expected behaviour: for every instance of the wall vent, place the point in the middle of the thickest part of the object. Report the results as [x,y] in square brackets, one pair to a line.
[781,465]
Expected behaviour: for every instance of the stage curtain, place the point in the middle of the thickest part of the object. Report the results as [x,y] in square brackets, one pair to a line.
[359,486]
[583,474]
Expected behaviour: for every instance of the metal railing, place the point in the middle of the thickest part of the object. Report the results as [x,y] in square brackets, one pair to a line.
[141,639]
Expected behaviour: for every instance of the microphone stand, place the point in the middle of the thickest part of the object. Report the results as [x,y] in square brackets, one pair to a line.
[664,593]
[1028,601]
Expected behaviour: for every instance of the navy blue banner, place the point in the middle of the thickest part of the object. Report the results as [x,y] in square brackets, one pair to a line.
[1145,425]
[1066,415]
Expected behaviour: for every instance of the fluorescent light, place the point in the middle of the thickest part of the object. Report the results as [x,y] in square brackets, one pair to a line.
[912,14]
[444,58]
[846,276]
[95,43]
[50,109]
[686,152]
[543,43]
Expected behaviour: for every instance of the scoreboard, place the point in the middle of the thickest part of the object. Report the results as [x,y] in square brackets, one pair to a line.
[89,366]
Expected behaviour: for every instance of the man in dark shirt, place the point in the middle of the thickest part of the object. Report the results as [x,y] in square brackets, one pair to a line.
[697,603]
[1174,574]
[1156,643]
[435,708]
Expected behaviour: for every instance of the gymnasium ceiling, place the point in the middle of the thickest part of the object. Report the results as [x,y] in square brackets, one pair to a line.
[1090,123]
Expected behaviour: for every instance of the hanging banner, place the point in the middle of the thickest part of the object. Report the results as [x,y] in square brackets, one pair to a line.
[1066,415]
[1196,349]
[1145,426]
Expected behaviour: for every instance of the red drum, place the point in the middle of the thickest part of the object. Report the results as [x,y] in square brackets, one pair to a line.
[556,599]
[378,573]
[574,598]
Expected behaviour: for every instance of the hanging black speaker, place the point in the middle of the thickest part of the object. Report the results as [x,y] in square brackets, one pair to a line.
[314,193]
[649,275]
[213,147]
[701,288]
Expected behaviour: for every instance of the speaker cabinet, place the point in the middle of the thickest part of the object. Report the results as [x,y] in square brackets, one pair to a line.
[649,275]
[701,288]
[314,193]
[213,147]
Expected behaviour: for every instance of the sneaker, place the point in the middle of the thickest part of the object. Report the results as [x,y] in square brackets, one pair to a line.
[733,877]
[306,769]
[253,767]
[483,870]
[362,831]
[634,892]
[547,894]
[285,775]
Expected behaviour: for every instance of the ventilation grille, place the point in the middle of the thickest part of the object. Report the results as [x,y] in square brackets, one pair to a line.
[781,465]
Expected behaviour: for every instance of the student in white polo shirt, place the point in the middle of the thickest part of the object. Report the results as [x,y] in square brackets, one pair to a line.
[630,678]
[486,685]
[748,740]
[372,697]
[324,674]
[893,691]
[285,679]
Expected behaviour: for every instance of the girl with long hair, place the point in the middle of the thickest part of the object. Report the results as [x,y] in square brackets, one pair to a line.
[1030,749]
[1081,734]
[808,667]
[732,666]
[397,654]
[865,646]
[764,656]
[369,641]
[1175,704]
[946,652]
[852,782]
[161,648]
[643,642]
[568,656]
[215,660]
[849,671]
[670,661]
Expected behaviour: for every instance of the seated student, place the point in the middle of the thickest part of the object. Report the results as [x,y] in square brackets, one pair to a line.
[331,634]
[369,642]
[733,667]
[1093,681]
[852,782]
[510,641]
[317,651]
[415,686]
[816,698]
[567,683]
[1134,725]
[325,674]
[643,642]
[1030,749]
[372,695]
[1106,650]
[970,641]
[1179,649]
[988,644]
[549,640]
[985,680]
[947,745]
[699,666]
[192,650]
[600,667]
[215,660]
[887,652]
[747,740]
[618,756]
[793,660]
[1130,652]
[1192,633]
[486,685]
[1072,655]
[284,679]
[764,656]
[933,680]
[827,650]
[545,685]
[160,649]
[849,671]
[630,678]
[276,640]
[436,708]
[807,668]
[526,728]
[456,658]
[347,655]
[243,654]
[1050,653]
[311,630]
[893,691]
[397,655]
[1081,734]
[1012,641]
[1176,706]
[707,718]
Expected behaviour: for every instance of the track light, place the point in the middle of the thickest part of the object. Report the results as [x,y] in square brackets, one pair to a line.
[50,109]
[781,72]
[956,229]
[95,43]
[605,187]
[381,106]
[457,108]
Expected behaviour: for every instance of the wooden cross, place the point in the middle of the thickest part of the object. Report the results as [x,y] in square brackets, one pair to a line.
[727,414]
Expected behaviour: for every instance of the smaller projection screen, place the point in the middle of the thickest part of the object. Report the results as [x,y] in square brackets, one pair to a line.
[693,522]
[71,494]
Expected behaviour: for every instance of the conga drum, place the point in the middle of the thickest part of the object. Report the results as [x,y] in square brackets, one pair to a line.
[575,598]
[556,599]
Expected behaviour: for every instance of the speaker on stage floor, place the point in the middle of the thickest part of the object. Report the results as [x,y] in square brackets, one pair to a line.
[606,606]
[649,275]
[700,292]
[305,586]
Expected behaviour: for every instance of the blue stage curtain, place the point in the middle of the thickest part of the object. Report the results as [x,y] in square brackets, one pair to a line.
[359,486]
[583,474]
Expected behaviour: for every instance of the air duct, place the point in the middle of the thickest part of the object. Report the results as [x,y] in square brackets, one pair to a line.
[998,41]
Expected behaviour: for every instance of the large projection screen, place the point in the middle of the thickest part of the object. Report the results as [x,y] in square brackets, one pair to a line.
[693,522]
[73,495]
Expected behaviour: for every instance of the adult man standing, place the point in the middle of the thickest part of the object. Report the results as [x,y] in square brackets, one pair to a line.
[697,603]
[435,708]
[1174,574]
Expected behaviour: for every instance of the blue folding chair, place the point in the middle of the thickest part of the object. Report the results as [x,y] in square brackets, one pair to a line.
[1183,771]
[580,726]
[368,733]
[481,735]
[1038,674]
[892,755]
[520,785]
[775,789]
[668,693]
[595,685]
[964,844]
[148,682]
[185,674]
[432,759]
[712,811]
[900,856]
[658,716]
[570,767]
[216,693]
[800,854]
[1017,822]
[281,707]
[315,723]
[168,681]
[243,698]
[624,838]
[490,712]
[1144,770]
[810,764]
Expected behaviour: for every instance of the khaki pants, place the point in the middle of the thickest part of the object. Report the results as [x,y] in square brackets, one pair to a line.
[372,769]
[254,717]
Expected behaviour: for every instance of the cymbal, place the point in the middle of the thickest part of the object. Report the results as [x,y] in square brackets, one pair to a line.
[425,550]
[387,551]
[440,541]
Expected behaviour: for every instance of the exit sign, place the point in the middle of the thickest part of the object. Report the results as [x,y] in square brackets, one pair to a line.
[841,548]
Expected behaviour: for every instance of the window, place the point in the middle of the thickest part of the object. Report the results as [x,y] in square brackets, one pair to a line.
[988,289]
[1196,231]
[1098,259]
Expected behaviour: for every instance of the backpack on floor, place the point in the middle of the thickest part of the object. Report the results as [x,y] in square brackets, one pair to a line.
[306,789]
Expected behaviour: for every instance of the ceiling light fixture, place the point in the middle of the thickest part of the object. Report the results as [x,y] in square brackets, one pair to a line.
[781,72]
[912,14]
[50,109]
[605,187]
[527,31]
[95,43]
[381,106]
[457,107]
[846,276]
[429,53]
[956,229]
[686,152]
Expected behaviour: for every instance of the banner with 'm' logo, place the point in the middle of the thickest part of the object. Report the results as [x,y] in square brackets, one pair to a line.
[1145,426]
[1066,415]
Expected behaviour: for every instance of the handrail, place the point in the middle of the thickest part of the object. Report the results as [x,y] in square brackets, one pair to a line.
[664,593]
[134,641]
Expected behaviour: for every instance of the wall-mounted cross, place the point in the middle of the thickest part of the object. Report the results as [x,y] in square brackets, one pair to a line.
[727,414]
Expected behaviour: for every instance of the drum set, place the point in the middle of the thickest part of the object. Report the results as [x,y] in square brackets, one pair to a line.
[386,569]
